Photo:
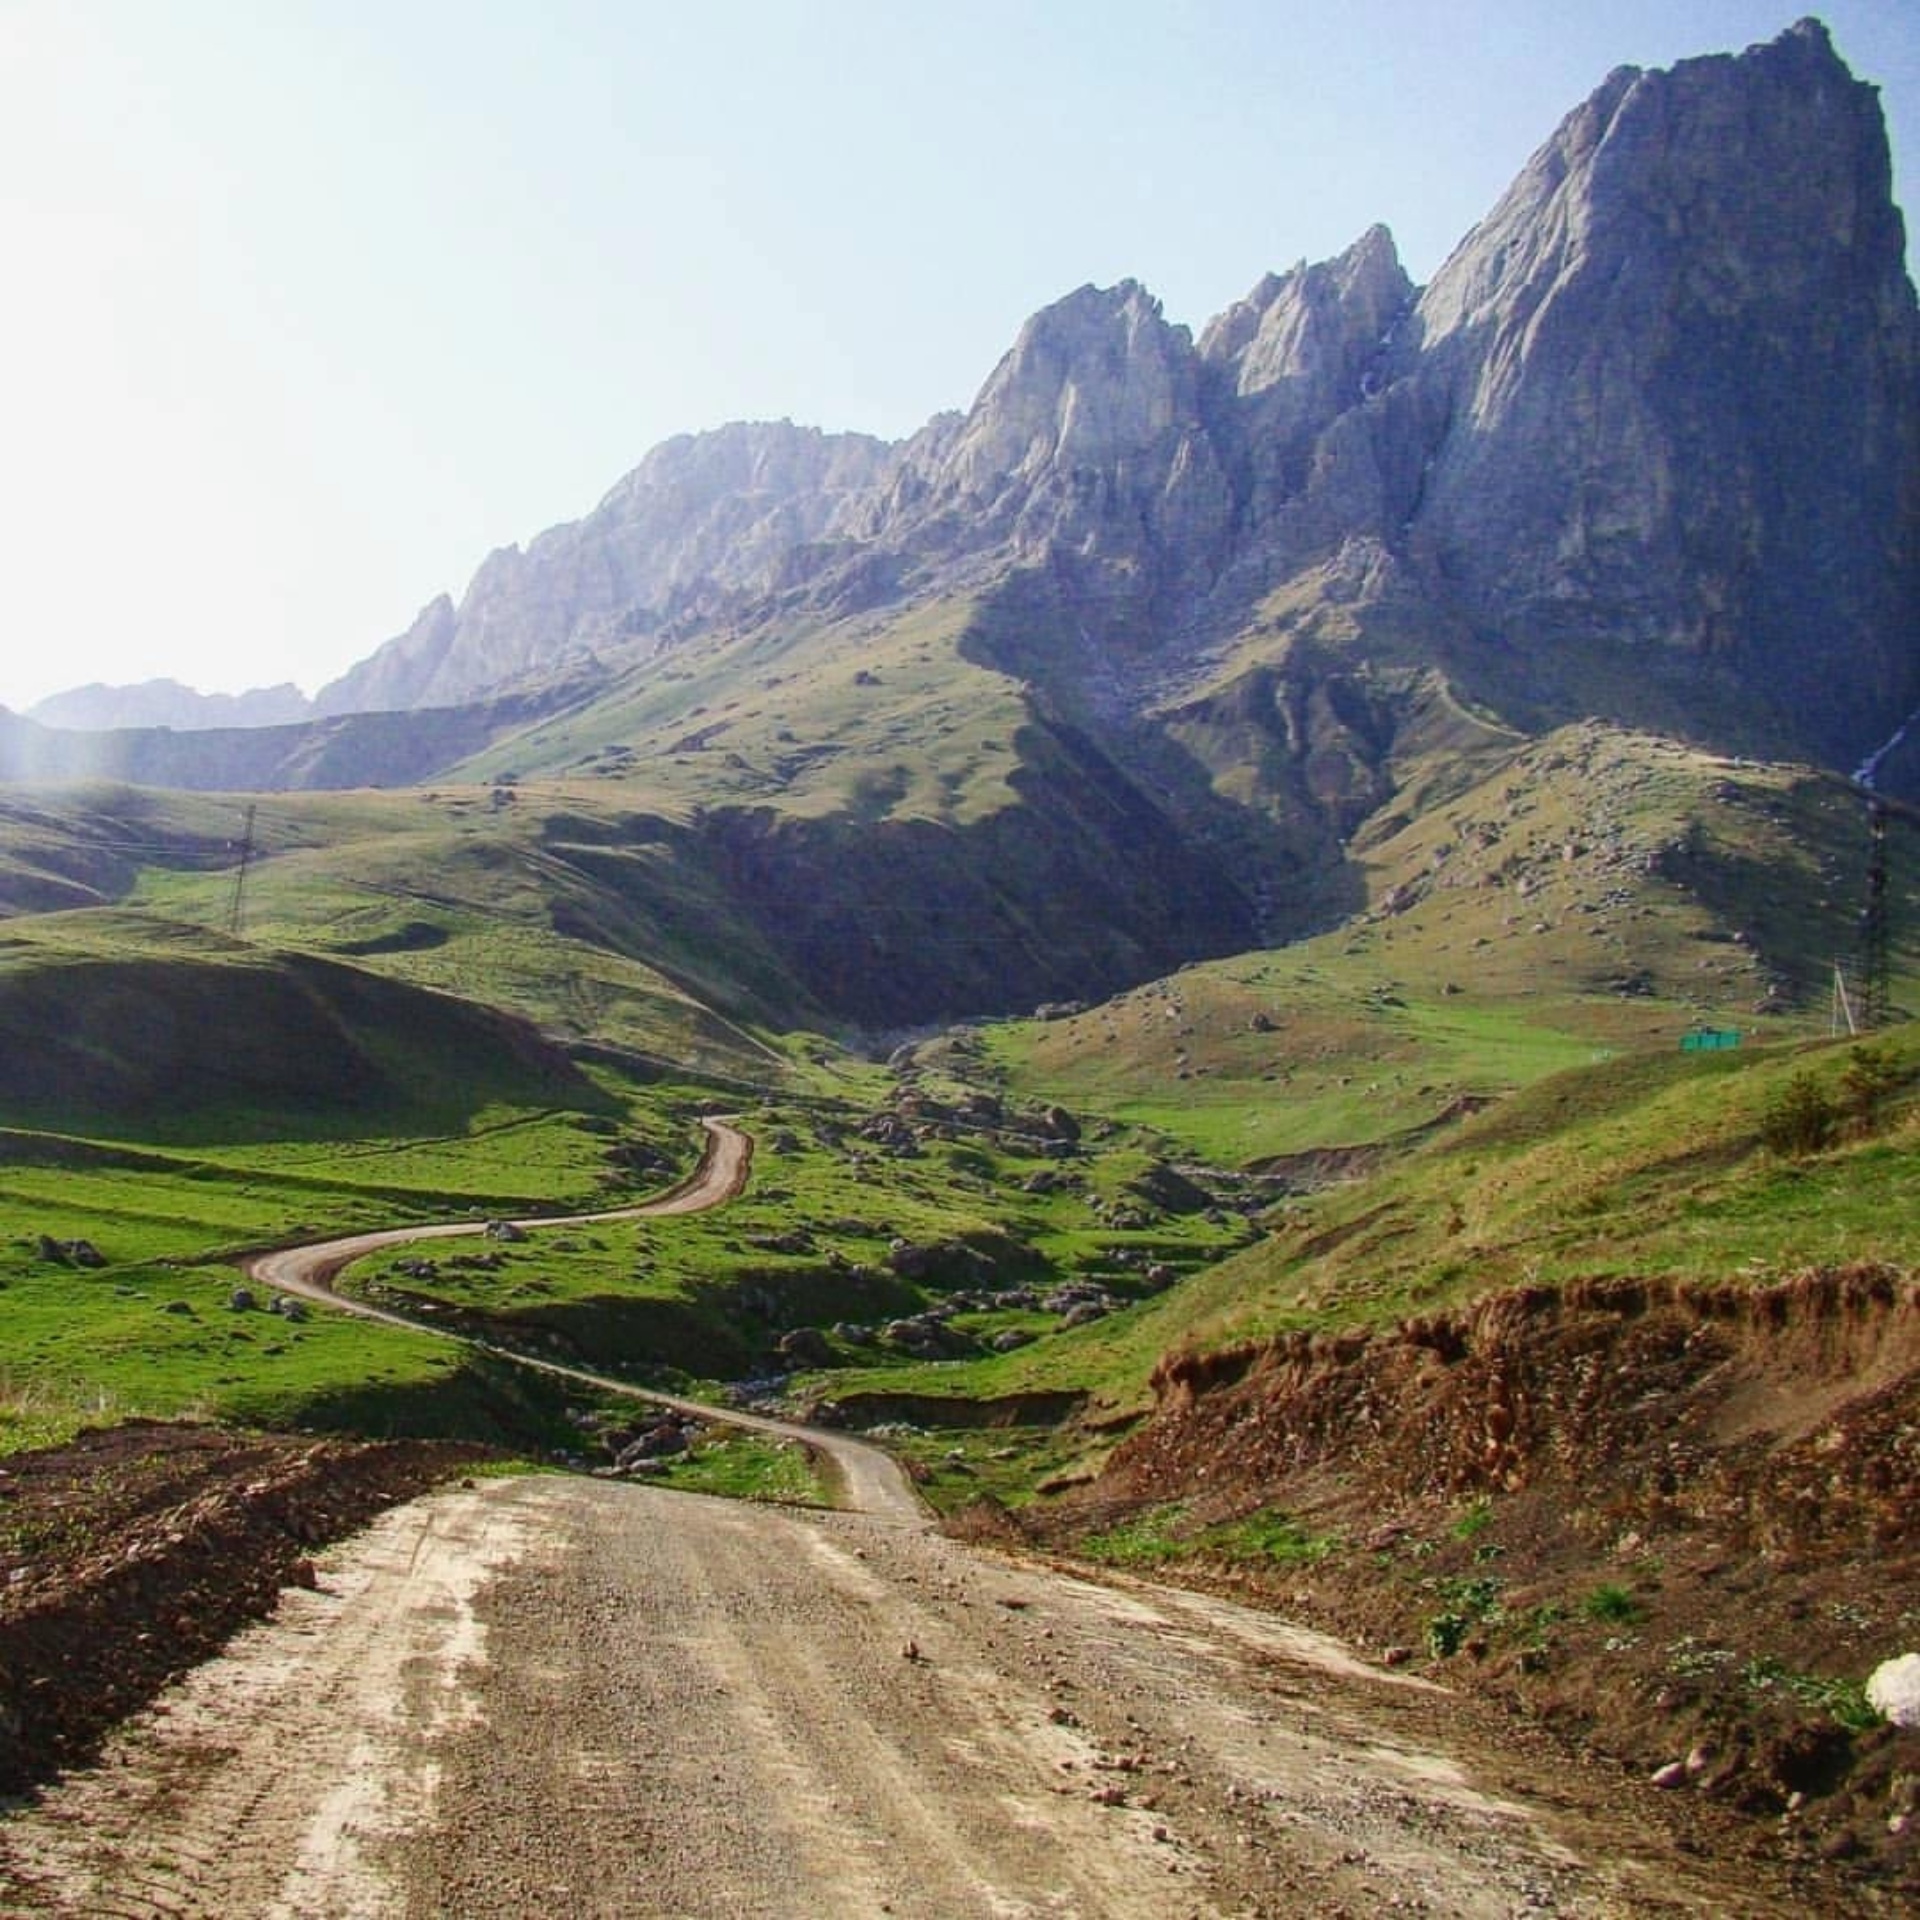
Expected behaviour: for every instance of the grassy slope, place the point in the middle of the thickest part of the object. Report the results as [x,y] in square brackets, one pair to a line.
[1480,971]
[107,1016]
[877,717]
[577,891]
[1578,903]
[1595,894]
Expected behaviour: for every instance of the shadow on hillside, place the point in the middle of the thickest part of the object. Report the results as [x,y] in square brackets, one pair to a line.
[168,1050]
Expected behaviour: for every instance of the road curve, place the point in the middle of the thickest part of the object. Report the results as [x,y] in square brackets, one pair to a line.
[872,1481]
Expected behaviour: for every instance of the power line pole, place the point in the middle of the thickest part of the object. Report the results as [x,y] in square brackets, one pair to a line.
[1876,989]
[235,912]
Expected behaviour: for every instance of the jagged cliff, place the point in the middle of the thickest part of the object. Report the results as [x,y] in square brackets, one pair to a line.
[1677,366]
[704,520]
[1649,444]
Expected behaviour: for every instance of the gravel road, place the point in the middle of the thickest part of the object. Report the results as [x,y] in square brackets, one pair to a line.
[571,1696]
[585,1698]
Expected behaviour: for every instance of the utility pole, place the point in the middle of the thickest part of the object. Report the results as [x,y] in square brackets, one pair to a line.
[1876,991]
[236,912]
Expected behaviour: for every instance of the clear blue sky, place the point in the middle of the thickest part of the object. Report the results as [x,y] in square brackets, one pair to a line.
[308,305]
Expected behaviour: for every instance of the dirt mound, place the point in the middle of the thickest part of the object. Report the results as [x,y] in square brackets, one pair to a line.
[1681,1522]
[1540,1383]
[137,1550]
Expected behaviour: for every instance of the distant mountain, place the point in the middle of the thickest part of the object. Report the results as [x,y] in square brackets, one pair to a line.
[1648,445]
[97,708]
[1121,665]
[703,521]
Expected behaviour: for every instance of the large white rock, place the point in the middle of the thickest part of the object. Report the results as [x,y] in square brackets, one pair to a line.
[1893,1688]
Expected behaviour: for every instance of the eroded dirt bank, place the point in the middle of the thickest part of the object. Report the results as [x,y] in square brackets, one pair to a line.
[1677,1524]
[574,1696]
[135,1552]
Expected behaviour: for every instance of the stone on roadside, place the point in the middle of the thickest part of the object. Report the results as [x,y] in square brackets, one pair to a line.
[1893,1690]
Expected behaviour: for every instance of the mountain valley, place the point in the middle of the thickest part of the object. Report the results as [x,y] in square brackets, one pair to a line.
[1314,929]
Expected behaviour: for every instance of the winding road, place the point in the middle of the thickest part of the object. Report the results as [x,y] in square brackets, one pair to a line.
[871,1480]
[573,1696]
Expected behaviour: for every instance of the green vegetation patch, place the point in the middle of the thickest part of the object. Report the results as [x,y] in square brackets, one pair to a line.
[739,1465]
[1161,1535]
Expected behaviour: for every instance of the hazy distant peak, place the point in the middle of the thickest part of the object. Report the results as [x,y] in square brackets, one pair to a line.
[99,708]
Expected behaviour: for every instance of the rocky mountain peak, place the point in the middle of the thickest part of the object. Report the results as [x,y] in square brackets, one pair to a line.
[1676,370]
[1720,169]
[1097,374]
[1648,446]
[703,516]
[1318,325]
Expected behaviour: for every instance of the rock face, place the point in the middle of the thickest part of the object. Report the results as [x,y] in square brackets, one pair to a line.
[1647,449]
[704,520]
[1650,440]
[1678,368]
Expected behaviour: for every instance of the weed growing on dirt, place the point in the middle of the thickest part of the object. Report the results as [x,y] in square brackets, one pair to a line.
[1471,1600]
[748,1466]
[1610,1601]
[1474,1520]
[1267,1537]
[1842,1700]
[1149,1538]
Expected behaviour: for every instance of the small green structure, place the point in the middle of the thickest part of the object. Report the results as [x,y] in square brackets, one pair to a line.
[1709,1039]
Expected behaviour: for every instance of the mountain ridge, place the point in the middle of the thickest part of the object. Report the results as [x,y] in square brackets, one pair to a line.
[1118,667]
[1664,399]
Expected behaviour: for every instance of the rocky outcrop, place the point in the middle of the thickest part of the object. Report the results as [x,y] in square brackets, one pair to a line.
[1088,440]
[1647,448]
[1678,365]
[704,519]
[1302,349]
[1650,439]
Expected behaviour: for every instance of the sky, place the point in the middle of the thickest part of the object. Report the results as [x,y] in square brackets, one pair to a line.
[304,308]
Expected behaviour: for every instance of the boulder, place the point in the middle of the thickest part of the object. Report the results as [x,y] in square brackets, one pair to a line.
[1893,1690]
[805,1347]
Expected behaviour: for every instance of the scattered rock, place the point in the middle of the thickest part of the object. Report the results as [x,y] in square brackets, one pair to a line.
[805,1347]
[1893,1689]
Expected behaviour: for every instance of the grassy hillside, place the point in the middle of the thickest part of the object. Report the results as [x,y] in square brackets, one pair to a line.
[108,1017]
[878,717]
[1538,922]
[1596,894]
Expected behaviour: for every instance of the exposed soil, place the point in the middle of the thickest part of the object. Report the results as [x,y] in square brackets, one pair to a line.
[574,1696]
[135,1552]
[1674,1524]
[842,1713]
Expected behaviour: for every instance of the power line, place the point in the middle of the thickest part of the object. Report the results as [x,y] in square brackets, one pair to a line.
[1876,990]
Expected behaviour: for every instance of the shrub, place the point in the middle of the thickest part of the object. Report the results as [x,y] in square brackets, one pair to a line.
[1800,1120]
[1610,1602]
[1870,1076]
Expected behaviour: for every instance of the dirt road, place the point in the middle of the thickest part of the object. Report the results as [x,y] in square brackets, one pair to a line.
[587,1698]
[578,1697]
[870,1480]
